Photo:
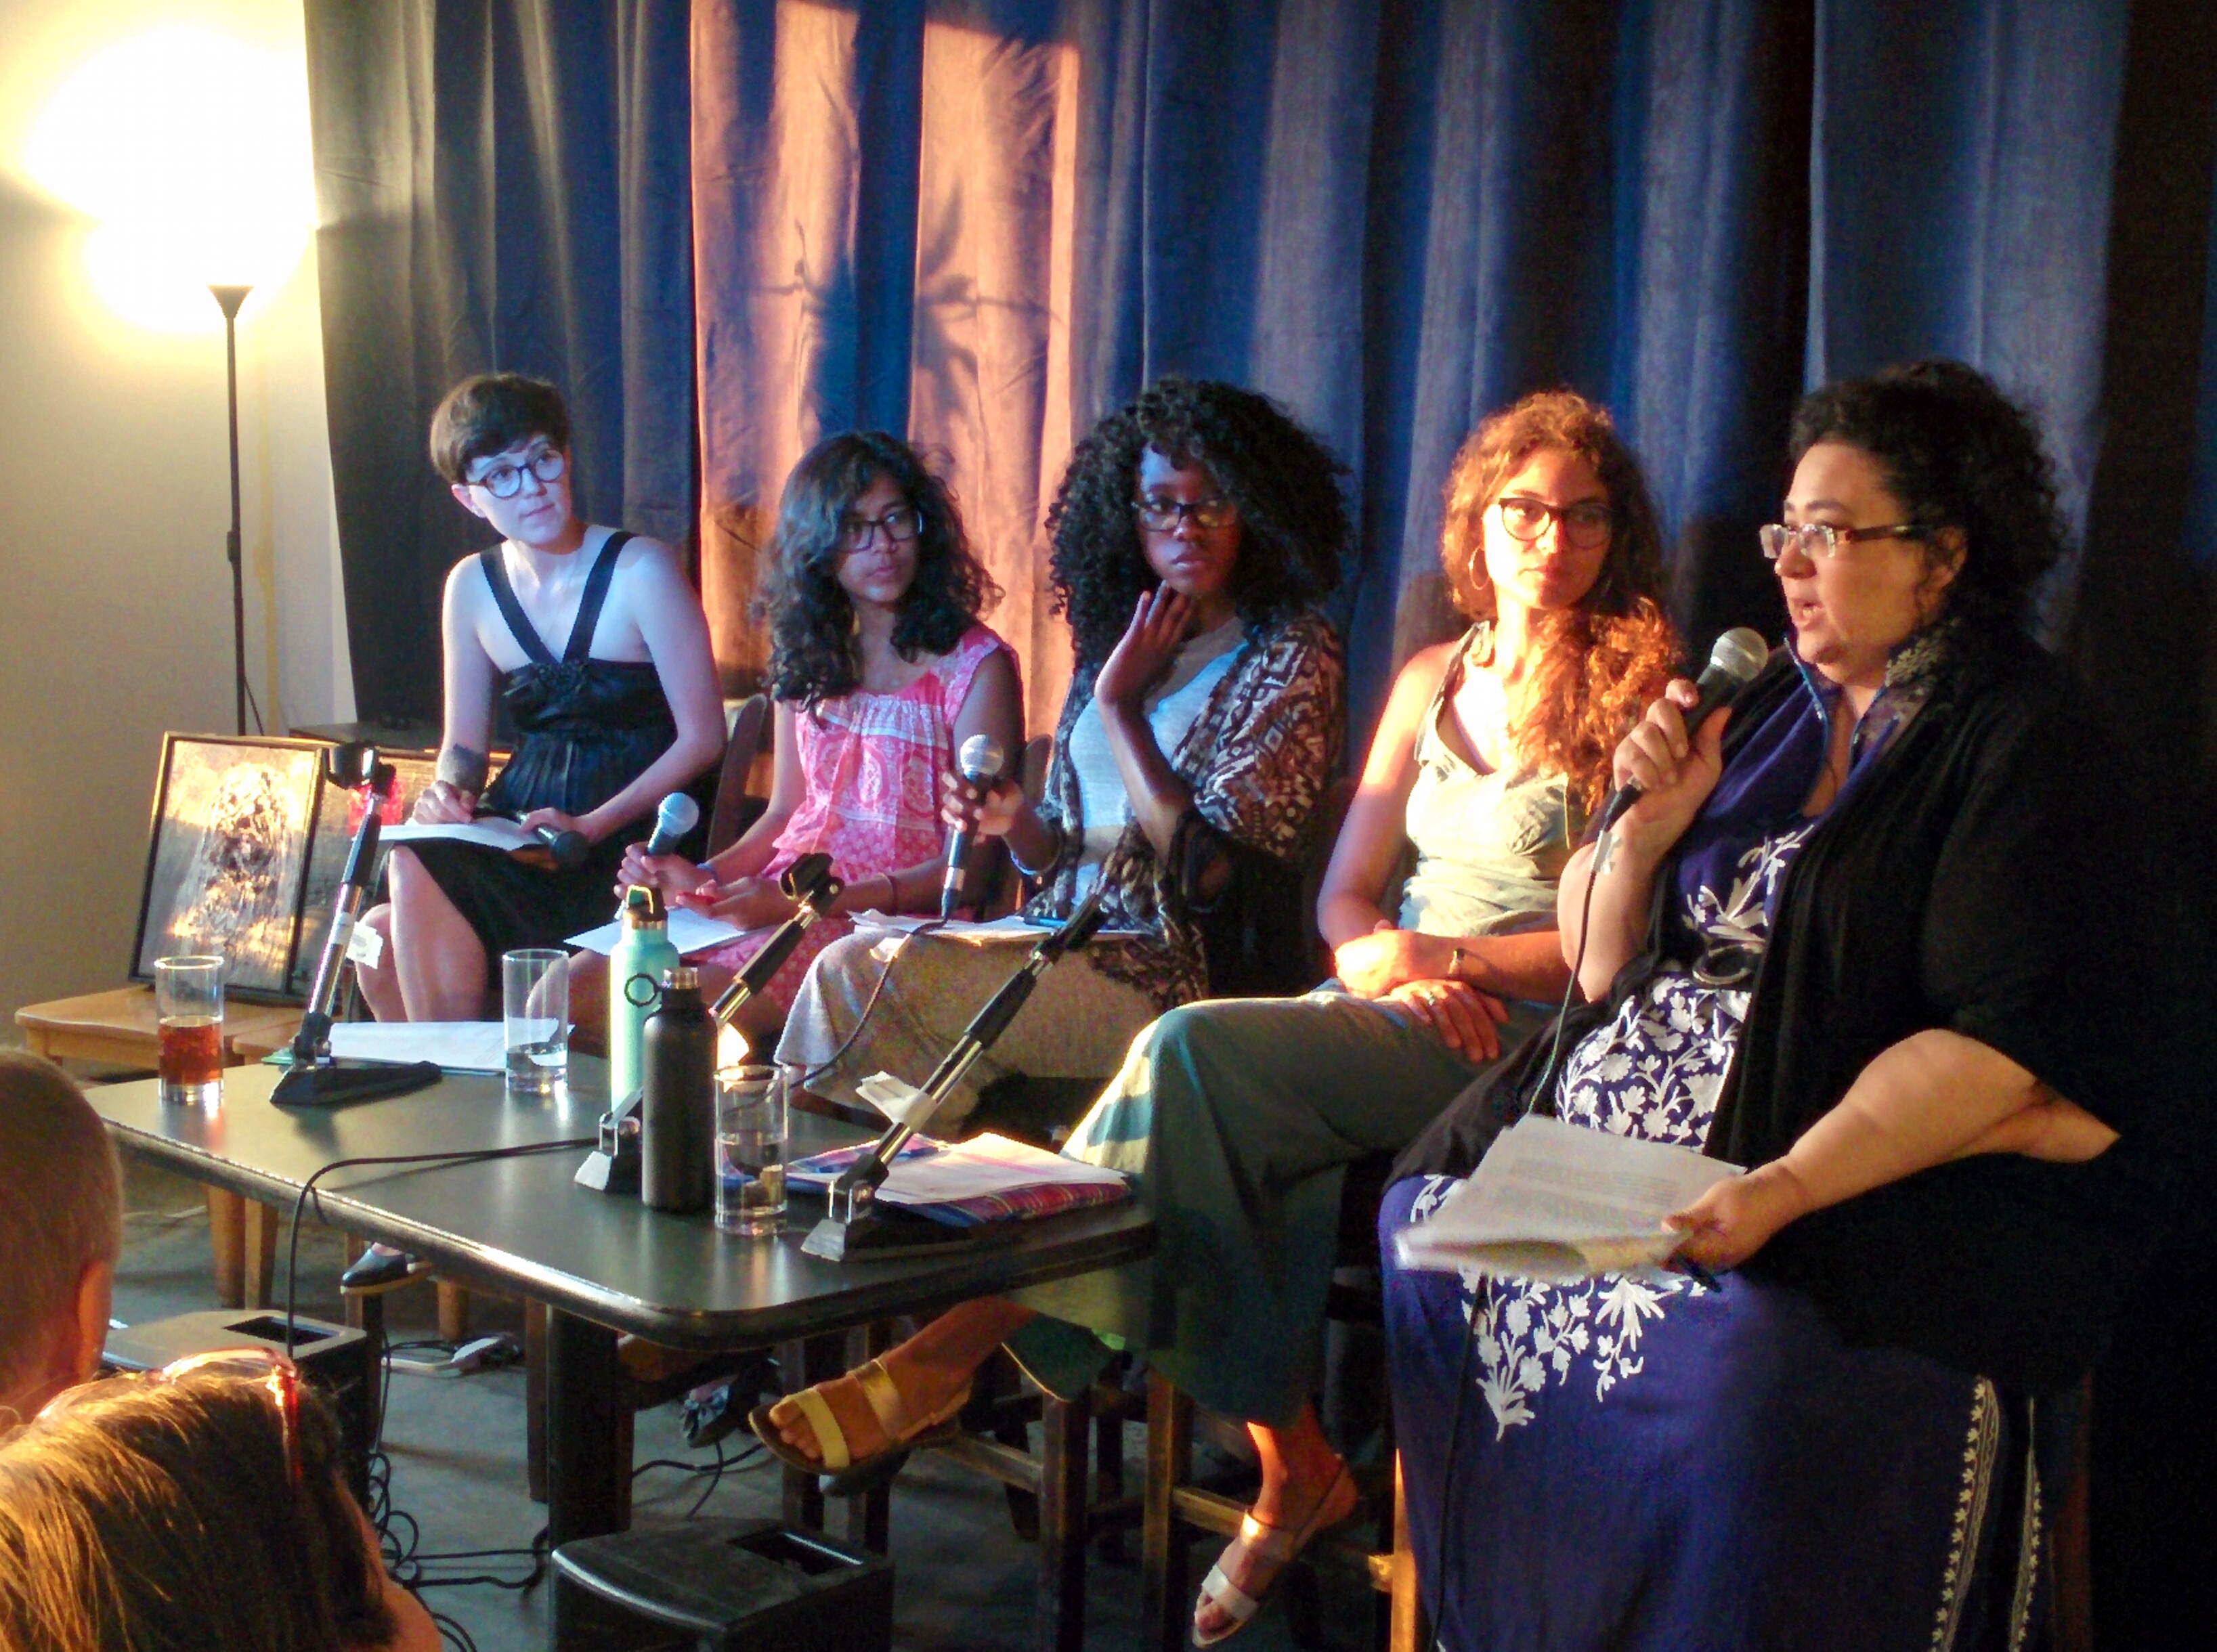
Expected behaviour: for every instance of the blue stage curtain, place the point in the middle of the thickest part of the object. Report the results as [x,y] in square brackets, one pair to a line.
[503,186]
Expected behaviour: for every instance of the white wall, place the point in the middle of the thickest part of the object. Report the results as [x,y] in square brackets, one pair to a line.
[114,592]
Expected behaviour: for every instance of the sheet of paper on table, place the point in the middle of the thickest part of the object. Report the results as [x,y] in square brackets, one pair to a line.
[689,933]
[981,1166]
[1013,927]
[456,1046]
[1556,1201]
[493,831]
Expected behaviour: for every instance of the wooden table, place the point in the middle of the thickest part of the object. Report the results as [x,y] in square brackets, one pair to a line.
[118,1026]
[601,1265]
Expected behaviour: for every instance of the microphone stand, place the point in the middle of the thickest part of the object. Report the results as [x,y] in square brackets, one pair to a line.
[315,1078]
[854,1229]
[614,1165]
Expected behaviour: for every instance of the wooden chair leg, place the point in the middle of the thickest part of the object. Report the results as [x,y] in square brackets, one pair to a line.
[258,1249]
[453,1312]
[1109,1477]
[1062,1520]
[1165,1588]
[227,1240]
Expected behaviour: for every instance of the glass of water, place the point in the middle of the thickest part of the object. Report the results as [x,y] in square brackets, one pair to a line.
[535,997]
[751,1149]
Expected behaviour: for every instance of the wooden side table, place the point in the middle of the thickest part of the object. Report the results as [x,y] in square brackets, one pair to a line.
[118,1026]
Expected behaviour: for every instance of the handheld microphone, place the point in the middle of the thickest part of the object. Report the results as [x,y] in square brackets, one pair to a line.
[568,848]
[980,765]
[1738,655]
[677,815]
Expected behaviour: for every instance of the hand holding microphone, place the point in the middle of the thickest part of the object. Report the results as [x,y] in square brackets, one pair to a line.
[1653,758]
[980,766]
[679,815]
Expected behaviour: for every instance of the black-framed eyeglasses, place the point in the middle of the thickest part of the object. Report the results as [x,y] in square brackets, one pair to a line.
[899,526]
[1159,514]
[1585,524]
[1822,541]
[506,481]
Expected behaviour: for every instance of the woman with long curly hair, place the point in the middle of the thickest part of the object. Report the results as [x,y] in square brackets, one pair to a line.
[1195,531]
[880,669]
[1239,1116]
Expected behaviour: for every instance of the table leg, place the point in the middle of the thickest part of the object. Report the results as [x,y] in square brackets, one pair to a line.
[804,1502]
[1062,1522]
[258,1251]
[819,1359]
[227,1239]
[869,1517]
[584,1393]
[535,1399]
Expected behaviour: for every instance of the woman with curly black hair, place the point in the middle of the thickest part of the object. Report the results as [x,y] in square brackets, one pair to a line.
[1880,933]
[1195,531]
[881,669]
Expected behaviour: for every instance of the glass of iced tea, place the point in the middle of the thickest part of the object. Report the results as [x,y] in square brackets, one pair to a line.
[188,1021]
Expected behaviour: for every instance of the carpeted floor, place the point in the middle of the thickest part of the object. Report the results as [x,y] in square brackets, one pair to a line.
[964,1579]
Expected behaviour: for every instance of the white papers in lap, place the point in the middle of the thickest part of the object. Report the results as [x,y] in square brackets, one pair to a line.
[493,831]
[689,933]
[1557,1201]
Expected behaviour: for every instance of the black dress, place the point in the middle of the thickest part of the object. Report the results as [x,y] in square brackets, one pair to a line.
[586,728]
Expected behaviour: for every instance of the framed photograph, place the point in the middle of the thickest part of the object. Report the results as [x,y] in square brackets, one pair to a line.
[227,857]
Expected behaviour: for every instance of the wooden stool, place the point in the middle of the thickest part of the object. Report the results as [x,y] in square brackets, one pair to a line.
[120,1028]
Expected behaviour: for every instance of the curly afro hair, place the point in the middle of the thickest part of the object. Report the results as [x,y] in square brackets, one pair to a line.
[1293,522]
[1603,660]
[811,619]
[1957,453]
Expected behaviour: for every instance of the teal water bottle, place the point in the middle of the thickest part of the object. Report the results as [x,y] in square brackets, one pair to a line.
[636,967]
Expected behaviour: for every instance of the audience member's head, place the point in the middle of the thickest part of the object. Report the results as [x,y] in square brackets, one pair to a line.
[489,414]
[60,1228]
[201,1510]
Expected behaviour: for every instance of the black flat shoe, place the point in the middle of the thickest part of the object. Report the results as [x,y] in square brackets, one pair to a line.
[379,1266]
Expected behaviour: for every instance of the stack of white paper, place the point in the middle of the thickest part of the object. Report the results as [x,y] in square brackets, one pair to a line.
[977,1168]
[689,933]
[458,1046]
[1555,1201]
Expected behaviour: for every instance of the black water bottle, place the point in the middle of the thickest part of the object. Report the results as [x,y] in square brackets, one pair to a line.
[678,1067]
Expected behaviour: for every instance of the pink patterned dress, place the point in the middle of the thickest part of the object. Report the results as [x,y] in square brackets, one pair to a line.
[870,766]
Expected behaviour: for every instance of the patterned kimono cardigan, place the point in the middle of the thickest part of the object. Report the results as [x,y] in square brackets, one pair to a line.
[1258,758]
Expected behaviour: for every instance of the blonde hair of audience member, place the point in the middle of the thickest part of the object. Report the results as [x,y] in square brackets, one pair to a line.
[139,1515]
[61,1228]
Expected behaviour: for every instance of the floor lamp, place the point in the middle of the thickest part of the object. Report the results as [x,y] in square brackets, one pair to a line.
[230,298]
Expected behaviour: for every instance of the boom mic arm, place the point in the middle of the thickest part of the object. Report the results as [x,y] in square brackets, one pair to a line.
[810,881]
[851,1225]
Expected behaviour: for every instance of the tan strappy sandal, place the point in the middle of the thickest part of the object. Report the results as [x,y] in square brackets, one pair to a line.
[1276,1543]
[903,1434]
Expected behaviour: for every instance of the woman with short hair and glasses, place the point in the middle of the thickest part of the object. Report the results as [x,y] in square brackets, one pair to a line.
[1239,1116]
[1194,533]
[1880,933]
[593,643]
[199,1506]
[881,669]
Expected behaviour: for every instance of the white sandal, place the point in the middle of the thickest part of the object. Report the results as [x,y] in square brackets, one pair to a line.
[1271,1542]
